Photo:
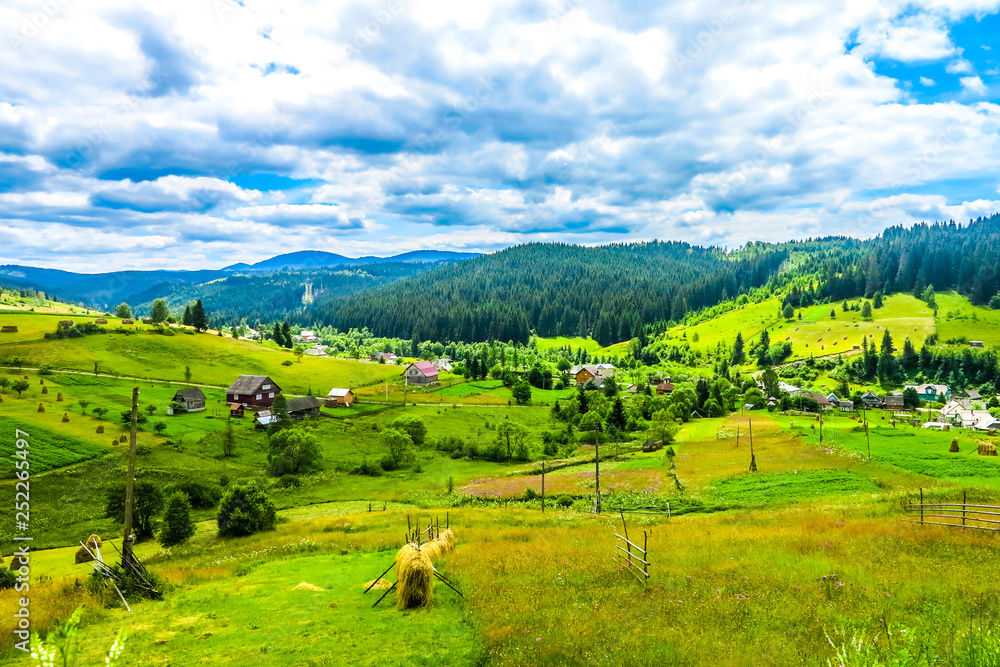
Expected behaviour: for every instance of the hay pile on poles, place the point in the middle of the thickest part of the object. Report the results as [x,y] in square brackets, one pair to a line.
[91,550]
[414,574]
[954,446]
[415,571]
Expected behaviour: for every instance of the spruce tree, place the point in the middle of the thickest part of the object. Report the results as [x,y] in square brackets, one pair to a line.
[188,319]
[198,318]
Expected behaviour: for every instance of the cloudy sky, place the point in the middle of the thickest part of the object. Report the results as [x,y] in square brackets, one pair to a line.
[194,134]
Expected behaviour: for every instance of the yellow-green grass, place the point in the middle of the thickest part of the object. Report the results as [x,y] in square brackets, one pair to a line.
[544,590]
[816,334]
[32,326]
[212,359]
[589,345]
[957,318]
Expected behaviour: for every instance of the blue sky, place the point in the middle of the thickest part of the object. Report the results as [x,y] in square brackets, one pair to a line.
[197,134]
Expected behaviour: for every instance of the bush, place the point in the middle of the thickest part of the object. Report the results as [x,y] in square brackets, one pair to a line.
[388,463]
[147,503]
[245,509]
[288,482]
[177,523]
[369,469]
[529,494]
[199,495]
[286,362]
[564,501]
[292,451]
[7,578]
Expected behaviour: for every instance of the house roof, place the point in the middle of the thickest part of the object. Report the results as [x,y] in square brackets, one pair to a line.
[302,403]
[264,420]
[249,384]
[973,394]
[425,367]
[339,393]
[235,406]
[893,400]
[928,388]
[987,423]
[191,394]
[665,386]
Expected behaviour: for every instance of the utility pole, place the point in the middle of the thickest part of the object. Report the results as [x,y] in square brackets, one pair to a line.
[821,428]
[753,457]
[869,440]
[130,482]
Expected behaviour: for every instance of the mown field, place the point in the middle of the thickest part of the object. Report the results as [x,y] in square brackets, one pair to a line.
[817,333]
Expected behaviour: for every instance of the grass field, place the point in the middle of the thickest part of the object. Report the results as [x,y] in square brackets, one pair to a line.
[212,359]
[957,318]
[816,334]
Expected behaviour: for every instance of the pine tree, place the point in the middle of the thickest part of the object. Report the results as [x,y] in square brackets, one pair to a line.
[198,318]
[739,356]
[286,335]
[616,417]
[187,320]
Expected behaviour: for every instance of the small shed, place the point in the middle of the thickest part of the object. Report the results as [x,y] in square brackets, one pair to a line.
[235,409]
[305,406]
[340,398]
[260,422]
[191,399]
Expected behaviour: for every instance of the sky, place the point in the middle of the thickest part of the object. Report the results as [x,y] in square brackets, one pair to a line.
[199,133]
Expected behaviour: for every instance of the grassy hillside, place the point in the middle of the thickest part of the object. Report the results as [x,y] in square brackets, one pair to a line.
[957,318]
[817,333]
[147,353]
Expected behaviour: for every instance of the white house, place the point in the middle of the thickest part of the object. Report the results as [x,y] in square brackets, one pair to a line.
[990,423]
[970,418]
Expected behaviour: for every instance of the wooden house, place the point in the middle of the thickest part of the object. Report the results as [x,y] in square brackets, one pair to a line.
[305,406]
[931,392]
[190,399]
[421,372]
[255,391]
[340,398]
[665,388]
[235,409]
[384,358]
[894,403]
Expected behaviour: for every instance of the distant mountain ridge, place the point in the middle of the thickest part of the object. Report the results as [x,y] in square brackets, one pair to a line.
[105,290]
[316,259]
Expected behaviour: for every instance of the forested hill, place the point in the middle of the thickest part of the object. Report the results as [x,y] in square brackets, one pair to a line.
[944,256]
[607,292]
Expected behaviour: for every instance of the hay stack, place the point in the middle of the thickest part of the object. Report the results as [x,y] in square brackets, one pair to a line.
[987,449]
[123,438]
[45,390]
[414,573]
[101,320]
[954,446]
[379,585]
[65,417]
[114,442]
[306,586]
[59,397]
[41,408]
[442,544]
[93,543]
[15,562]
[100,429]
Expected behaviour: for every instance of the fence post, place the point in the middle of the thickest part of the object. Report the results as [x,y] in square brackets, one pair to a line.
[628,544]
[921,506]
[543,487]
[645,557]
[963,508]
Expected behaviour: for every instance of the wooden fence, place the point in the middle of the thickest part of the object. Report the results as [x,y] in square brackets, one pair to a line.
[631,556]
[956,515]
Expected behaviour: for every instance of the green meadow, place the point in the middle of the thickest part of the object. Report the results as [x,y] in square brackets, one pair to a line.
[809,560]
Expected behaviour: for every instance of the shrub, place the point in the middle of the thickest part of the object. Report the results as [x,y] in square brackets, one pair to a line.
[245,509]
[388,463]
[7,578]
[286,362]
[529,494]
[291,451]
[147,503]
[366,468]
[199,495]
[288,482]
[564,501]
[177,523]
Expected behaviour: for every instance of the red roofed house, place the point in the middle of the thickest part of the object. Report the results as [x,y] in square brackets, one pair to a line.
[421,372]
[255,391]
